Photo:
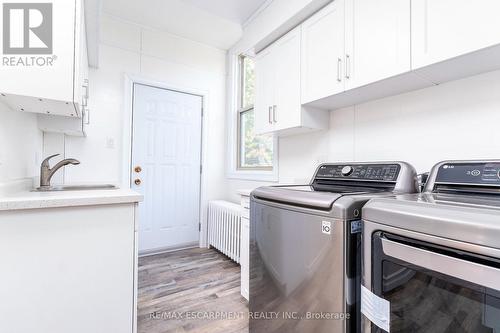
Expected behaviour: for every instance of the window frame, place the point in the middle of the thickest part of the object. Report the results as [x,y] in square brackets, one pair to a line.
[233,103]
[241,108]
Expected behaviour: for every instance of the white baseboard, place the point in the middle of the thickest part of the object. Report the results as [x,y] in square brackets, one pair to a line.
[153,252]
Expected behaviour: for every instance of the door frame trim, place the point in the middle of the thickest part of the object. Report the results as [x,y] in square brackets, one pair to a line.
[130,80]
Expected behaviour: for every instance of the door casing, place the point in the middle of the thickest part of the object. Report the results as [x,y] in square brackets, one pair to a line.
[127,138]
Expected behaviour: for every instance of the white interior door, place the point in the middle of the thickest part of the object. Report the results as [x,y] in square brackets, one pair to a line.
[166,160]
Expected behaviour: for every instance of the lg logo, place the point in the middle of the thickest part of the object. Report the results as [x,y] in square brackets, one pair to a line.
[326,227]
[27,28]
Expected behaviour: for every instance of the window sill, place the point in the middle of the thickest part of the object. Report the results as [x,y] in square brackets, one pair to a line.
[256,175]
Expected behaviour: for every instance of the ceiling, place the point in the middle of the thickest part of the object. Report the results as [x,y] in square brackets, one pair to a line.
[214,22]
[238,11]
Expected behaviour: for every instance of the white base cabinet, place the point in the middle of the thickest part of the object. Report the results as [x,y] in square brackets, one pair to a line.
[245,258]
[68,269]
[58,85]
[245,245]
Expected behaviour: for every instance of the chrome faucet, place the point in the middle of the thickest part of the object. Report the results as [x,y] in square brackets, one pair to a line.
[46,172]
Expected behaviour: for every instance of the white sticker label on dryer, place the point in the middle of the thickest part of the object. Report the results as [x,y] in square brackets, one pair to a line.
[376,309]
[326,227]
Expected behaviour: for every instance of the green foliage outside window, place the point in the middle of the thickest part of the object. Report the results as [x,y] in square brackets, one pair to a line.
[248,82]
[255,151]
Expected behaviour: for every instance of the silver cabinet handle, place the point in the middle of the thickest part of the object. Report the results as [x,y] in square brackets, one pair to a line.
[84,101]
[86,116]
[275,118]
[85,97]
[339,70]
[269,115]
[347,66]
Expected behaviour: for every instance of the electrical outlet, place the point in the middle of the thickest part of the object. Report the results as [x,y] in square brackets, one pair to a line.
[110,143]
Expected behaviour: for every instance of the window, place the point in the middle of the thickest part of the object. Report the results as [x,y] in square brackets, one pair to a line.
[254,151]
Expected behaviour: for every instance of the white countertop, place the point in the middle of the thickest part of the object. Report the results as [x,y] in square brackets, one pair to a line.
[244,192]
[37,200]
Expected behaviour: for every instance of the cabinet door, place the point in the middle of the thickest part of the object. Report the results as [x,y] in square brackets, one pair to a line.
[245,257]
[265,86]
[377,40]
[81,94]
[286,111]
[84,264]
[443,29]
[323,50]
[28,72]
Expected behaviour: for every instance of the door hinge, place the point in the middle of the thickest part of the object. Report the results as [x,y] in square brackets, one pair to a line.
[201,168]
[199,226]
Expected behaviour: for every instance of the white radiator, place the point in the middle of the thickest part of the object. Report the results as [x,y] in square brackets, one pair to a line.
[224,228]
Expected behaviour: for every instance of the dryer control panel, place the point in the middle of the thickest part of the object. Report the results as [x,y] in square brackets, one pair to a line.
[473,173]
[359,172]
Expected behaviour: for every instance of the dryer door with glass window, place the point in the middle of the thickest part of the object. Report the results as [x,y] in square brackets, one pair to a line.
[434,289]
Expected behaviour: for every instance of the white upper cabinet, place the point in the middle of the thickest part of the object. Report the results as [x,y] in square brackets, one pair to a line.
[444,29]
[47,69]
[378,44]
[265,84]
[353,51]
[323,53]
[277,102]
[287,107]
[352,43]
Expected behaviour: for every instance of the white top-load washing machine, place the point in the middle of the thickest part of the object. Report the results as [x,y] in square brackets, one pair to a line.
[431,261]
[305,247]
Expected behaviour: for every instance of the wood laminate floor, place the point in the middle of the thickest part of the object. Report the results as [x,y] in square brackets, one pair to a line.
[189,291]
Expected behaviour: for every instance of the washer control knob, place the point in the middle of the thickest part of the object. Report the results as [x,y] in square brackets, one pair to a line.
[347,170]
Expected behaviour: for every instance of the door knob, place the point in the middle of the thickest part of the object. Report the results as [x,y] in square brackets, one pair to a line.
[138,169]
[137,182]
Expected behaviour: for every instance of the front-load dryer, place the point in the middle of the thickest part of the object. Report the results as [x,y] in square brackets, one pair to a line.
[431,261]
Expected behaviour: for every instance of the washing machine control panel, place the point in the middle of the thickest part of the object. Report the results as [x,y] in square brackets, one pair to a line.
[368,172]
[481,174]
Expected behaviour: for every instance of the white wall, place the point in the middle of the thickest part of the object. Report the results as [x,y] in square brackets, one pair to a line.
[20,145]
[273,19]
[276,16]
[127,48]
[455,120]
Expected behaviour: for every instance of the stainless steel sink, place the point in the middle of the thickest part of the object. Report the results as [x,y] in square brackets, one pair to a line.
[57,188]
